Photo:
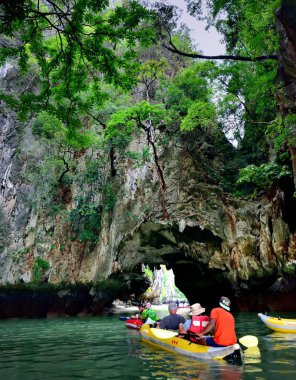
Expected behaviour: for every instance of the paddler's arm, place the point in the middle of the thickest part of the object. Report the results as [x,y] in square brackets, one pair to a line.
[207,329]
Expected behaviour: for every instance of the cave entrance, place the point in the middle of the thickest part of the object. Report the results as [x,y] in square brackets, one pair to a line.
[162,287]
[187,251]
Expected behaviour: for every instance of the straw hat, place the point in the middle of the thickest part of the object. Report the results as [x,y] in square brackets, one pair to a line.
[196,309]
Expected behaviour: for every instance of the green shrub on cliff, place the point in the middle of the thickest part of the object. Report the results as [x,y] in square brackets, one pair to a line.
[86,221]
[263,176]
[39,269]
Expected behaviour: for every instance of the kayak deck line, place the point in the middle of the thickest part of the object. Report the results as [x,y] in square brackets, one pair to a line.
[279,324]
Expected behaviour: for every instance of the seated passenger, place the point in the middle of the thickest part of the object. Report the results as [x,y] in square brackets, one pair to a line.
[197,322]
[141,310]
[223,322]
[172,321]
[148,313]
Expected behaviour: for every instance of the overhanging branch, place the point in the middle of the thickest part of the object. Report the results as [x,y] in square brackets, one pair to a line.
[175,50]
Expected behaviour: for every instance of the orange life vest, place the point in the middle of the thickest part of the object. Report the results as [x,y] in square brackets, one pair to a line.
[198,323]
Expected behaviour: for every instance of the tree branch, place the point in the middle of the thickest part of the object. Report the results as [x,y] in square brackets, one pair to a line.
[175,50]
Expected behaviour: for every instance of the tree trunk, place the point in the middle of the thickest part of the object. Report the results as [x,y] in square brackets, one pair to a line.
[286,27]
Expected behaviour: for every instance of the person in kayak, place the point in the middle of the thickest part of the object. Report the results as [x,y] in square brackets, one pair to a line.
[172,321]
[139,315]
[148,313]
[223,322]
[197,322]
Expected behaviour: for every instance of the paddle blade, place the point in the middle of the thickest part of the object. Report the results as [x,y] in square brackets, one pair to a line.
[249,341]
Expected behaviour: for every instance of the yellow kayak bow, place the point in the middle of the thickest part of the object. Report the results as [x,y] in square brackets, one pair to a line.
[279,324]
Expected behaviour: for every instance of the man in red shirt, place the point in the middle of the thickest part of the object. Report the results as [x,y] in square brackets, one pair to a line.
[223,321]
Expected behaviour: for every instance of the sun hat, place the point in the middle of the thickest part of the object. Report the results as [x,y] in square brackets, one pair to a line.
[225,303]
[148,304]
[196,309]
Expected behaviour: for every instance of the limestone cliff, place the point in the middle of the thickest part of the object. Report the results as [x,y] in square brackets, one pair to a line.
[211,240]
[214,242]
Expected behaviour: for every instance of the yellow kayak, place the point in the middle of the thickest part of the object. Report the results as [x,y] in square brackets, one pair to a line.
[169,341]
[279,324]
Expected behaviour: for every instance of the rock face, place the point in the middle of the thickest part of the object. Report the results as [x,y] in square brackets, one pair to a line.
[215,243]
[162,287]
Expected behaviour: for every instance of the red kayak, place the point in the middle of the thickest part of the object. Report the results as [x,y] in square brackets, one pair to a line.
[134,323]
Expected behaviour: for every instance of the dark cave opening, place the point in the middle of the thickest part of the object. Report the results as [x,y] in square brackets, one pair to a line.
[289,203]
[201,285]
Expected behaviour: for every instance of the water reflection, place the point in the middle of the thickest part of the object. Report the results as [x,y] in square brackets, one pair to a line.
[252,355]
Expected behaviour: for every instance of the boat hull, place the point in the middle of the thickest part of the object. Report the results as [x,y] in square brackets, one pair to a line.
[279,324]
[134,324]
[169,341]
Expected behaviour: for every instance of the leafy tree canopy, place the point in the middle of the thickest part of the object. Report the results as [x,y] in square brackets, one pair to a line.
[248,27]
[75,46]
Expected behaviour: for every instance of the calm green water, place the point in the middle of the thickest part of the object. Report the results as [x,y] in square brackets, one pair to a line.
[102,348]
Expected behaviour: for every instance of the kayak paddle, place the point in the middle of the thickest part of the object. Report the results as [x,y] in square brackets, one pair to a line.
[122,318]
[249,341]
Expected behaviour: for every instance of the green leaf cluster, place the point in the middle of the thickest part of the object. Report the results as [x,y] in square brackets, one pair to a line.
[200,115]
[86,221]
[262,176]
[127,122]
[76,46]
[39,268]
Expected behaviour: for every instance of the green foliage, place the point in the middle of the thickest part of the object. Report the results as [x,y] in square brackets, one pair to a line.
[49,127]
[42,173]
[151,70]
[139,157]
[200,115]
[96,44]
[290,123]
[86,221]
[39,268]
[247,26]
[127,122]
[148,273]
[109,197]
[188,86]
[289,269]
[277,134]
[262,176]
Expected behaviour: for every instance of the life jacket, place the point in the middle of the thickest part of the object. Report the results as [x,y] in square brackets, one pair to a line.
[198,323]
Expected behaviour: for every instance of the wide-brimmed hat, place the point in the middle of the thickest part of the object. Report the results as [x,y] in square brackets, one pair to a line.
[196,309]
[225,303]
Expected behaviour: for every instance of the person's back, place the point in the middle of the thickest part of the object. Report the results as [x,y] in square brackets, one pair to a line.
[224,326]
[172,321]
[198,323]
[224,333]
[198,320]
